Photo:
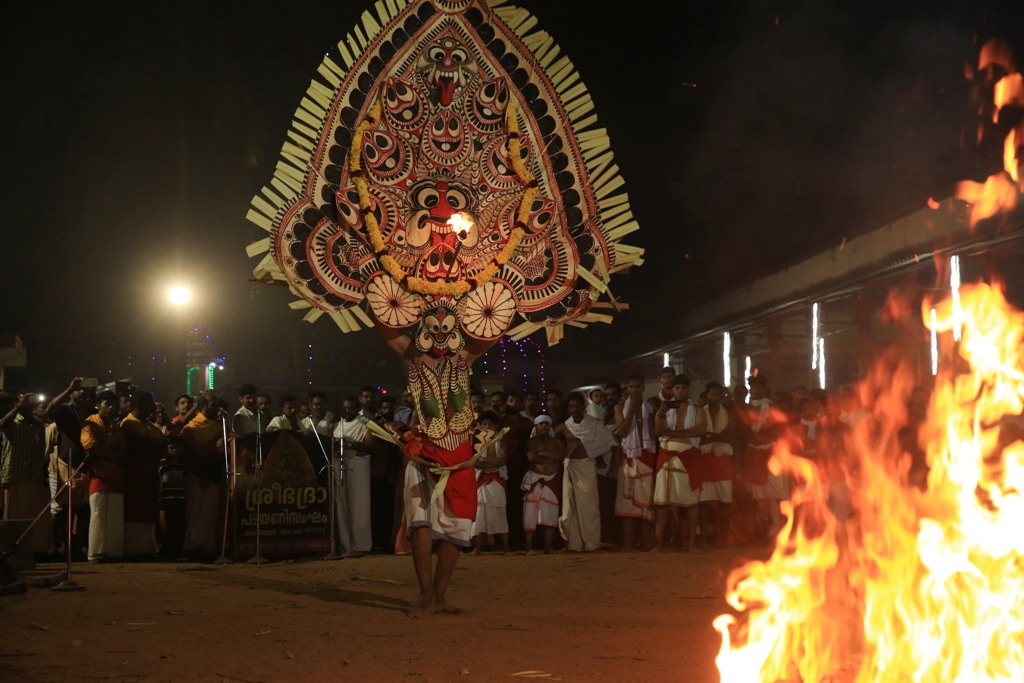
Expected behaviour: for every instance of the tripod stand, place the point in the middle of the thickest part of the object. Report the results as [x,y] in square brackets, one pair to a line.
[67,585]
[228,472]
[258,559]
[333,555]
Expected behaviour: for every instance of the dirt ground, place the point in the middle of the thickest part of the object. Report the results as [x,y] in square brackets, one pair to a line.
[598,617]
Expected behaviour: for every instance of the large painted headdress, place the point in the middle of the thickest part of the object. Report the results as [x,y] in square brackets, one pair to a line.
[446,170]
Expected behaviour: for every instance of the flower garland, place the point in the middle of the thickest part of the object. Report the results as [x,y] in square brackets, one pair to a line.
[380,250]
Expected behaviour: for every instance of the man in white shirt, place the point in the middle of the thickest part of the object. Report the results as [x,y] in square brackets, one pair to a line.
[586,440]
[352,502]
[320,419]
[287,420]
[245,420]
[716,446]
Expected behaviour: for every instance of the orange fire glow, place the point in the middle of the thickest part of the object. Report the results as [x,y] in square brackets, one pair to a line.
[924,586]
[999,193]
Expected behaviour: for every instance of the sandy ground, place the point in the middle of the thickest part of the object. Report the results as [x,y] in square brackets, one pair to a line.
[597,617]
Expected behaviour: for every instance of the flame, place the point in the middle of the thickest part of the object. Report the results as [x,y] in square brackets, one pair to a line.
[999,193]
[461,223]
[924,586]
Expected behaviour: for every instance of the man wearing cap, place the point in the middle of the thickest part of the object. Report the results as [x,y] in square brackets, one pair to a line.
[540,502]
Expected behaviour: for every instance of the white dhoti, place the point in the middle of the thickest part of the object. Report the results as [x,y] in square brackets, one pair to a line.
[633,490]
[424,507]
[580,523]
[672,480]
[540,504]
[202,509]
[24,501]
[491,500]
[106,526]
[352,505]
[720,491]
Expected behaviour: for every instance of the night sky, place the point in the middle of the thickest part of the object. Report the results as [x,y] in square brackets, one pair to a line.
[750,134]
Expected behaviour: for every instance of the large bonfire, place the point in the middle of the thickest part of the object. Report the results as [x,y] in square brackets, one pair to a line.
[925,584]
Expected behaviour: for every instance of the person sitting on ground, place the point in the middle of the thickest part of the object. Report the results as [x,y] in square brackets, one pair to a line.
[491,475]
[246,420]
[540,504]
[287,420]
[679,425]
[104,444]
[172,500]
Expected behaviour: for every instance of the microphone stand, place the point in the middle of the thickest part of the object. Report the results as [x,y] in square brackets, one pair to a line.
[258,559]
[333,555]
[68,585]
[228,472]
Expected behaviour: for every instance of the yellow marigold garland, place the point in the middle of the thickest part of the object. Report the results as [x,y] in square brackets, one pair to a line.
[419,285]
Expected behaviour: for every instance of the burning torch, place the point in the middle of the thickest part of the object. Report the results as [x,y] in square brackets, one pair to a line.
[460,223]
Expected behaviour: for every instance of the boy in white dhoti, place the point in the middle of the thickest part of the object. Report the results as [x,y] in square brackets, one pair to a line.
[586,440]
[716,448]
[679,424]
[352,502]
[634,421]
[540,504]
[491,475]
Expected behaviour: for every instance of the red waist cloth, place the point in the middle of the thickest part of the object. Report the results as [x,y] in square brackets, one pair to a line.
[460,491]
[487,477]
[692,461]
[756,465]
[716,467]
[646,457]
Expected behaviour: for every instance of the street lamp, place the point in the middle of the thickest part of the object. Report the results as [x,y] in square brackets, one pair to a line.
[180,295]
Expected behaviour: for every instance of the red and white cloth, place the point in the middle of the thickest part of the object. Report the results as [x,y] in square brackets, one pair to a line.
[717,460]
[540,504]
[677,478]
[491,500]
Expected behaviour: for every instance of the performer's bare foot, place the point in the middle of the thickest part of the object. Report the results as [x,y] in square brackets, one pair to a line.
[476,551]
[530,552]
[548,550]
[421,607]
[442,607]
[655,549]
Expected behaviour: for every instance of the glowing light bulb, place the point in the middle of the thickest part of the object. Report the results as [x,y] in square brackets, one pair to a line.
[180,295]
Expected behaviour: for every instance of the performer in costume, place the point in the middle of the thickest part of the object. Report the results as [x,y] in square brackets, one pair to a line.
[444,170]
[586,440]
[678,474]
